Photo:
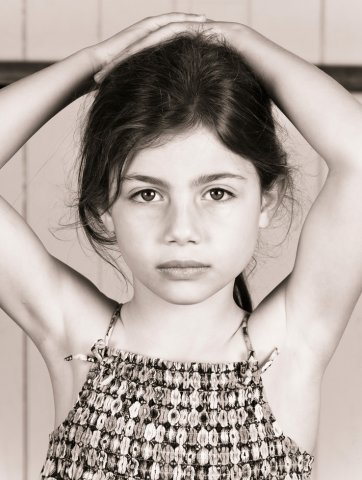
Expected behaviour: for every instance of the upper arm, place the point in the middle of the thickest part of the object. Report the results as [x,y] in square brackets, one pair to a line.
[326,281]
[34,285]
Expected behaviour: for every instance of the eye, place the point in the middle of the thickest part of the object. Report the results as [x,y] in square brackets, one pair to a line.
[148,194]
[218,193]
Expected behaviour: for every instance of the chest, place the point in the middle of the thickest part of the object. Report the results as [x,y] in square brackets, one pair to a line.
[293,402]
[149,421]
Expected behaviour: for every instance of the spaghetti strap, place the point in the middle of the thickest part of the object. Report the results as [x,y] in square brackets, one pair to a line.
[104,341]
[114,318]
[244,330]
[269,360]
[263,366]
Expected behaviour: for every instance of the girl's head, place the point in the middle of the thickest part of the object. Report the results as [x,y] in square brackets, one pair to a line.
[180,111]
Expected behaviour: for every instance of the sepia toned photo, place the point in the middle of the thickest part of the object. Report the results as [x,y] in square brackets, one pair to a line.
[180,240]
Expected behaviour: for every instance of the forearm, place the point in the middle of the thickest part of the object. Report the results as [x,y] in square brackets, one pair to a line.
[29,103]
[321,109]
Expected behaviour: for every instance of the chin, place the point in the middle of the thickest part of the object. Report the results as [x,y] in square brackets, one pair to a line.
[179,295]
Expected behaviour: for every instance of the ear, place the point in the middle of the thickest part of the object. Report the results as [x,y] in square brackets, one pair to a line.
[270,201]
[108,221]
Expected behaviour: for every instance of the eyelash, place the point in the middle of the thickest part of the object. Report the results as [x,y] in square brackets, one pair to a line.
[231,195]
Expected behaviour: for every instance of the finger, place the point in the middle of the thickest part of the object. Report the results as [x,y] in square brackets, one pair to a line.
[152,24]
[113,46]
[165,18]
[151,39]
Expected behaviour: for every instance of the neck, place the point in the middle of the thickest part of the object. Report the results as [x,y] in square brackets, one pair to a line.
[203,330]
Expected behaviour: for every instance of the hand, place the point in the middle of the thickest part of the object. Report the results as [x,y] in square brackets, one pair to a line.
[149,31]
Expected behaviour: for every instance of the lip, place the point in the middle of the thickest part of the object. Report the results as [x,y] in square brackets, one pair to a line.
[182,264]
[182,269]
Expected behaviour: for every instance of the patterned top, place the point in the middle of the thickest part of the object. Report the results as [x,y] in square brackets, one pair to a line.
[145,418]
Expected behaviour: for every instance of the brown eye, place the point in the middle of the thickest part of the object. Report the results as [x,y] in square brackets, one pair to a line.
[217,193]
[147,195]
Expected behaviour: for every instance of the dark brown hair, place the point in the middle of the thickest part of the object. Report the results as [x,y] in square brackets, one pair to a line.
[190,80]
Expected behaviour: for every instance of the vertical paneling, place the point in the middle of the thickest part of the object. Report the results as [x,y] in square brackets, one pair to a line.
[343,32]
[58,28]
[119,14]
[11,30]
[294,25]
[12,339]
[227,10]
[11,353]
[11,399]
[340,435]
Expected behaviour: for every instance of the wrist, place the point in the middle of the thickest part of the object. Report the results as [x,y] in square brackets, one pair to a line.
[90,59]
[243,37]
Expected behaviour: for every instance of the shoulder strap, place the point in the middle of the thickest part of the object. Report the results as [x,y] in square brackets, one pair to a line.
[90,358]
[116,314]
[269,360]
[244,329]
[263,366]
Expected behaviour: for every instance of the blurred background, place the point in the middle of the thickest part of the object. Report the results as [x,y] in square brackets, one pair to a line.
[38,181]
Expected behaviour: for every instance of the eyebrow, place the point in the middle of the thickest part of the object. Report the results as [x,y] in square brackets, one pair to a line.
[202,180]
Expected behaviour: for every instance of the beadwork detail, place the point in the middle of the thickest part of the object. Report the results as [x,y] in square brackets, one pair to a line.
[143,418]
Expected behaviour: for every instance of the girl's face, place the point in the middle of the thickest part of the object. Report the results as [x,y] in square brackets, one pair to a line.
[190,199]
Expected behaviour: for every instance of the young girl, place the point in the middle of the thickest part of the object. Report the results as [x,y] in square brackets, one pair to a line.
[180,169]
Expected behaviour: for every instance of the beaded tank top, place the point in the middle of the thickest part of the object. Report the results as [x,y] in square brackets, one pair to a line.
[145,418]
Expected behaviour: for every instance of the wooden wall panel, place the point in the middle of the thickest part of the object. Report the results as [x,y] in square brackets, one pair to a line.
[58,28]
[294,25]
[12,339]
[11,47]
[228,10]
[119,14]
[11,399]
[343,32]
[11,353]
[340,435]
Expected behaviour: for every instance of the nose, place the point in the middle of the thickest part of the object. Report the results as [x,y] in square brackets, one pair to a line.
[182,223]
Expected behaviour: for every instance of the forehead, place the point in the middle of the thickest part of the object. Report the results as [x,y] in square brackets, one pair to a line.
[187,155]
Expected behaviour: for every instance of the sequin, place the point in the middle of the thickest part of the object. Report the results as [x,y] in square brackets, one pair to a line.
[253,432]
[246,472]
[150,431]
[143,418]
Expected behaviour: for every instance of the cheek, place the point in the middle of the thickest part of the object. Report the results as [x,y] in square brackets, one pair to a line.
[237,236]
[134,234]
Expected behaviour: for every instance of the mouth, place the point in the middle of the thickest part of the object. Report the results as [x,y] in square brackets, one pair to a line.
[182,264]
[182,270]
